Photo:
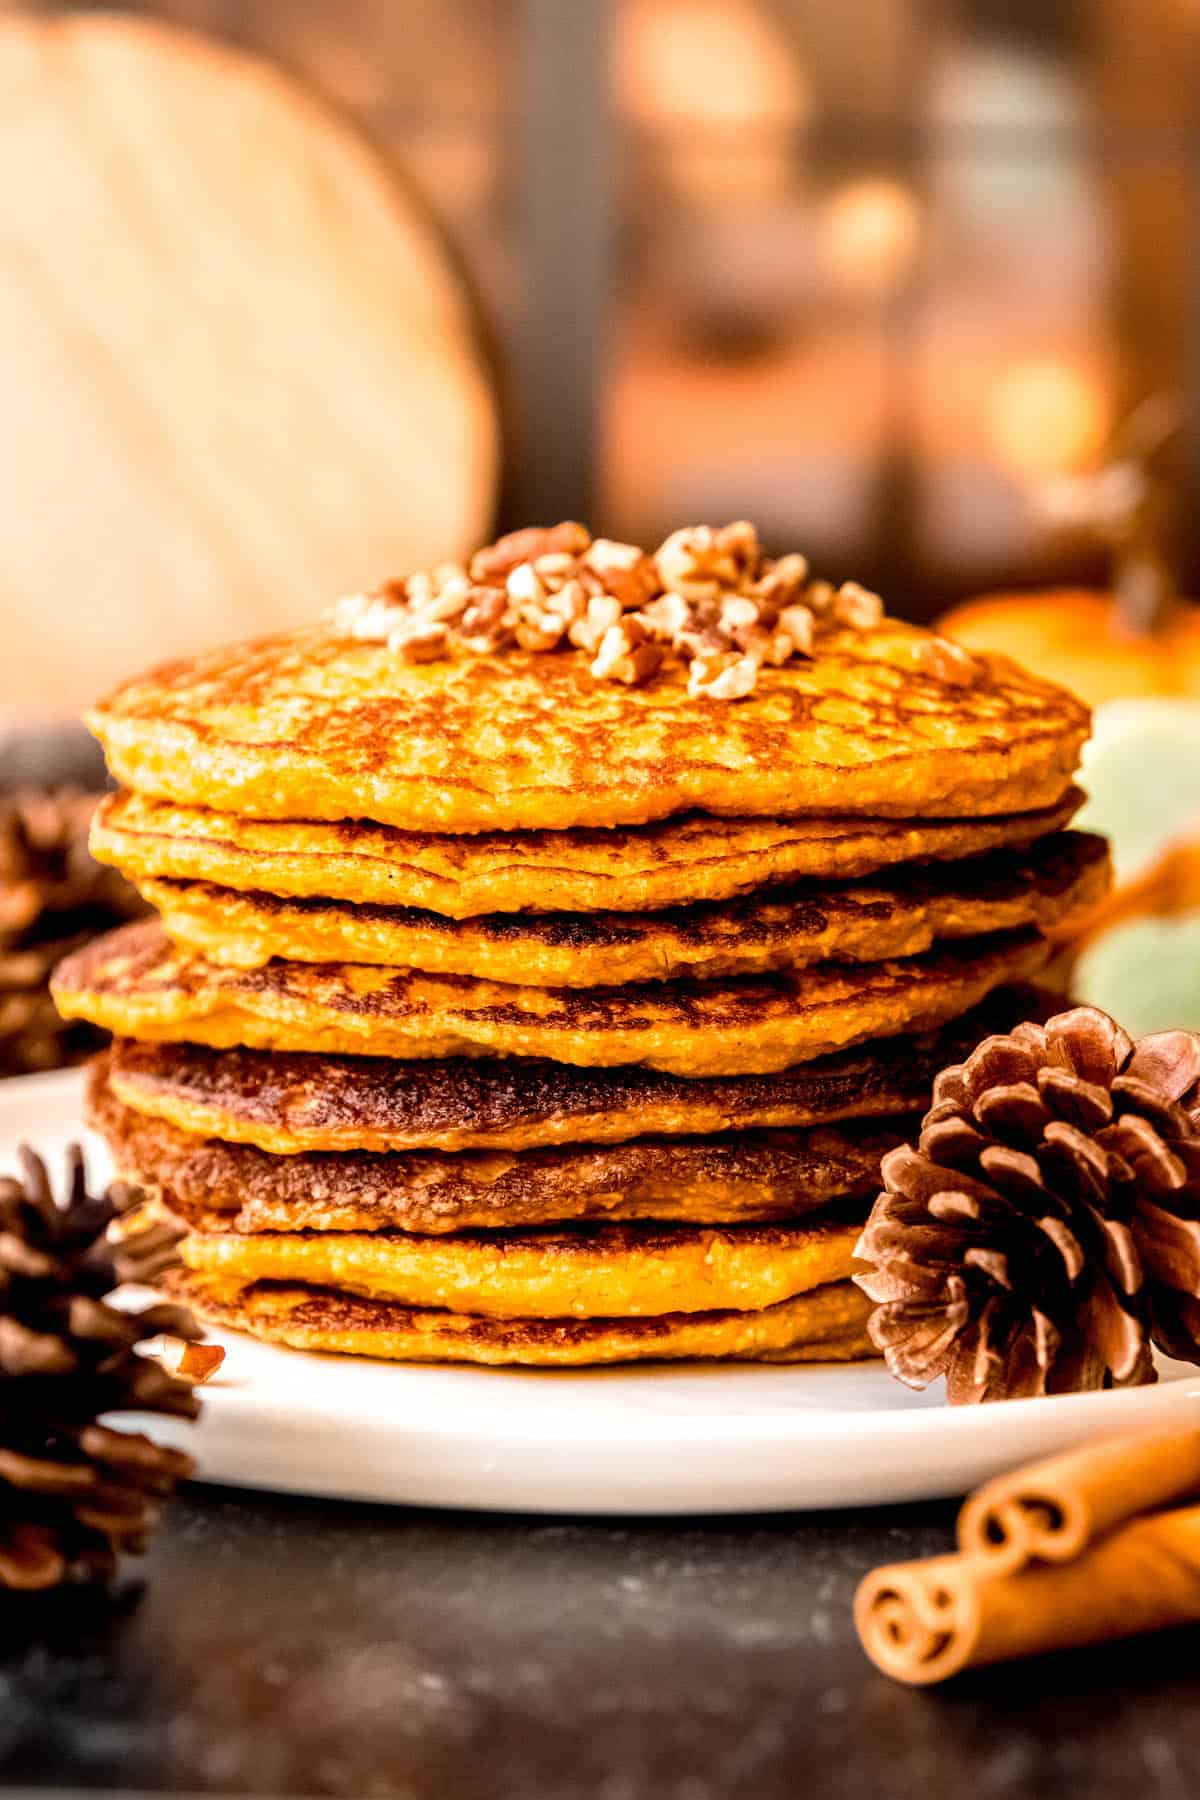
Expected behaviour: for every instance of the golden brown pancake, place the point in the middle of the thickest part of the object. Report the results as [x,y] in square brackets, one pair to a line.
[134,983]
[309,725]
[748,1175]
[640,868]
[827,1325]
[289,1104]
[582,1271]
[779,928]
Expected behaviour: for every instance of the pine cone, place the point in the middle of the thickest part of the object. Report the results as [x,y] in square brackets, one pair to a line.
[1046,1230]
[54,897]
[46,866]
[75,1494]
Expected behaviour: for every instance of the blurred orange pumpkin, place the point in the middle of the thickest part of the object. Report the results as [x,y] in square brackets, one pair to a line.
[1134,655]
[1140,771]
[1080,638]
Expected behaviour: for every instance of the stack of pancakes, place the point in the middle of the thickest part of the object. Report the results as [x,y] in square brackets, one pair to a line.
[497,1013]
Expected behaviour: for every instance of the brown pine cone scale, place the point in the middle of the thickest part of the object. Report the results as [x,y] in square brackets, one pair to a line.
[1046,1230]
[75,1494]
[54,897]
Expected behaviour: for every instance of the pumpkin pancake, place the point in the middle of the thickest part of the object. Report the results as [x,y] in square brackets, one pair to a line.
[643,867]
[289,1104]
[781,928]
[134,983]
[313,725]
[752,1175]
[583,1271]
[827,1325]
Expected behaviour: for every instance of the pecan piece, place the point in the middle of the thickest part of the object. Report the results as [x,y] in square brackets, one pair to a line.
[498,559]
[539,629]
[418,642]
[485,625]
[856,606]
[800,625]
[603,613]
[623,571]
[783,582]
[723,680]
[626,654]
[946,661]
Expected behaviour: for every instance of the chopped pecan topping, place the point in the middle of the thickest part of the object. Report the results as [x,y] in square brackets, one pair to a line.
[500,558]
[935,657]
[600,614]
[707,597]
[799,624]
[419,642]
[666,617]
[946,661]
[621,570]
[723,679]
[483,625]
[539,629]
[627,653]
[856,605]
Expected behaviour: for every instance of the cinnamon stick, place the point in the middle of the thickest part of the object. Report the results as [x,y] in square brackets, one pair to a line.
[923,1621]
[1052,1510]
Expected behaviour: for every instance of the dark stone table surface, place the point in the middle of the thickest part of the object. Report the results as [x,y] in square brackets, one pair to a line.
[295,1647]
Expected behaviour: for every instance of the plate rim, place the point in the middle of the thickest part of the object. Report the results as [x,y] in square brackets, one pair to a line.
[634,1455]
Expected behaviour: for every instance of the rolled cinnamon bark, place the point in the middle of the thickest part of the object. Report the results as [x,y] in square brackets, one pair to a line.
[1052,1510]
[923,1621]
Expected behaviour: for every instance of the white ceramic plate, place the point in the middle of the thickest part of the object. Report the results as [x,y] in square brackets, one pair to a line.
[698,1439]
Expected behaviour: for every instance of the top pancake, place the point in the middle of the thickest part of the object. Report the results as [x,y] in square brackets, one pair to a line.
[641,868]
[311,725]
